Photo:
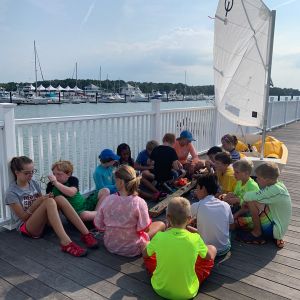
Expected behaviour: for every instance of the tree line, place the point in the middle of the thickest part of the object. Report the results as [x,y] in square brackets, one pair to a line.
[146,87]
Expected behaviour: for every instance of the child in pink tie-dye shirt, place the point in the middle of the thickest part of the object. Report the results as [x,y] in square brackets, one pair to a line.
[124,217]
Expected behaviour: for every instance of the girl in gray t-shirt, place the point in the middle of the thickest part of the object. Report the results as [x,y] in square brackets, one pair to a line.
[31,211]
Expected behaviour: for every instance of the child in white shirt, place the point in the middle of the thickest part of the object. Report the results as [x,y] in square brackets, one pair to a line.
[213,215]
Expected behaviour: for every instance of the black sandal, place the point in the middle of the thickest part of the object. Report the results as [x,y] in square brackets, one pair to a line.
[248,238]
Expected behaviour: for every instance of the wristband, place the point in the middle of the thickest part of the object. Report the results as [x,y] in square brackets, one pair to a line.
[28,211]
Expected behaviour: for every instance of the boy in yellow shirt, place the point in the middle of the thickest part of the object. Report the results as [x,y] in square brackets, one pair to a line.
[225,173]
[183,259]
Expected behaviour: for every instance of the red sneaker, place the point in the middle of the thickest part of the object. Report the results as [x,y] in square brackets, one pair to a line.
[89,240]
[74,249]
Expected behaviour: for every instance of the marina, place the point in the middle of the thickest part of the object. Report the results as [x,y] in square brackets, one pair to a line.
[242,116]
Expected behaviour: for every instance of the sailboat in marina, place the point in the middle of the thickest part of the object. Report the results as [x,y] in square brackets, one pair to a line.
[30,92]
[243,48]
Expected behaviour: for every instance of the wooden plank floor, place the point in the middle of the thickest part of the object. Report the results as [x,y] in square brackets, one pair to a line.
[37,269]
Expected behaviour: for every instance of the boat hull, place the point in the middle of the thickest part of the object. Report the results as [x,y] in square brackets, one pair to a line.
[255,156]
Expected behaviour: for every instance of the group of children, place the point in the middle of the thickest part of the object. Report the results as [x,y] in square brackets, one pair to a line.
[226,198]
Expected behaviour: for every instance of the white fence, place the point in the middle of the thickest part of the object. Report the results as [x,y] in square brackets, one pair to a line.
[80,138]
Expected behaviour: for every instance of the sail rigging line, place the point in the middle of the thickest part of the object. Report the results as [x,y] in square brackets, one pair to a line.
[74,72]
[37,56]
[236,54]
[236,70]
[254,35]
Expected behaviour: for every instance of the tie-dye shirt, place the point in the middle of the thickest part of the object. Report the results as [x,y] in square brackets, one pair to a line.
[124,220]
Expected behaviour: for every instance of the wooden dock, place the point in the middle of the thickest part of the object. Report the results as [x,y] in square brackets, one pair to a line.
[37,269]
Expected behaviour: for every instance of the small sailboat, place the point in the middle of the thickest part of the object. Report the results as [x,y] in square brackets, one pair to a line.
[243,48]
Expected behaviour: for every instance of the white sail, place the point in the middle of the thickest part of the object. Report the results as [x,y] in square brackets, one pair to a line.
[240,60]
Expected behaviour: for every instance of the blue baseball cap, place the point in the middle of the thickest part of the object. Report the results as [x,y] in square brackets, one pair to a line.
[107,153]
[185,134]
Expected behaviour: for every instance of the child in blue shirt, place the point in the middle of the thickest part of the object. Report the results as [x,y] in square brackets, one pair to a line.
[103,174]
[142,161]
[229,143]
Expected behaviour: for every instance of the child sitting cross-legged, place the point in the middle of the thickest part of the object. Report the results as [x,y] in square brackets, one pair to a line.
[178,260]
[124,216]
[225,173]
[184,148]
[166,166]
[242,171]
[270,208]
[103,174]
[142,160]
[213,215]
[124,152]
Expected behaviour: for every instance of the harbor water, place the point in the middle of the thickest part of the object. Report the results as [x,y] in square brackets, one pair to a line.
[60,110]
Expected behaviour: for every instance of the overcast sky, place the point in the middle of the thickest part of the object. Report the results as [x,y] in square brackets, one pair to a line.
[138,40]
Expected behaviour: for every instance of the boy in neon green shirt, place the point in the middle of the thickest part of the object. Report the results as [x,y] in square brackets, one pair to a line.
[182,257]
[242,171]
[272,200]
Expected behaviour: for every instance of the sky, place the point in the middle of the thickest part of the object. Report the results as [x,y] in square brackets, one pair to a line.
[133,40]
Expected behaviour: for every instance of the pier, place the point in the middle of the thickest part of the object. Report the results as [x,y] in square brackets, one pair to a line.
[38,269]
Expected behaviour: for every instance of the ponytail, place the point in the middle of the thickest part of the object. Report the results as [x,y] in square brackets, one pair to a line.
[128,174]
[17,164]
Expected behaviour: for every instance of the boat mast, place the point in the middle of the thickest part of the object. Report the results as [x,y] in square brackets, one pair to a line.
[267,87]
[76,78]
[100,78]
[107,83]
[184,84]
[35,68]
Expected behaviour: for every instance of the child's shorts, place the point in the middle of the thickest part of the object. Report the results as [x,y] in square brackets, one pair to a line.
[266,222]
[225,250]
[23,230]
[91,202]
[203,267]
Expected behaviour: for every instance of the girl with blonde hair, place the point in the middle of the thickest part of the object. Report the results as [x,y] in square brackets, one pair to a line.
[124,216]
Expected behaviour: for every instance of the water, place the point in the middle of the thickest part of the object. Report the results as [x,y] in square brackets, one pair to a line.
[59,110]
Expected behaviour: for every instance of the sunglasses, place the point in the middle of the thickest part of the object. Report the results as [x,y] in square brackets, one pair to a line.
[29,172]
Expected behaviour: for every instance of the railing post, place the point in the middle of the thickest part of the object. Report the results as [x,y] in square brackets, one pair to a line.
[285,110]
[215,133]
[156,120]
[7,115]
[297,110]
[270,114]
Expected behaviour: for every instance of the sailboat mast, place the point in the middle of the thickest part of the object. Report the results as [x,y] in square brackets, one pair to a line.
[184,84]
[100,78]
[76,72]
[35,68]
[268,83]
[76,87]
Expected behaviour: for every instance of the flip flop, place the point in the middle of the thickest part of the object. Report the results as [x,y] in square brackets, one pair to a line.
[248,238]
[279,243]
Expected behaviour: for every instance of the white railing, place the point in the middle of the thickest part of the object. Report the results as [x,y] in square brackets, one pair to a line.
[81,138]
